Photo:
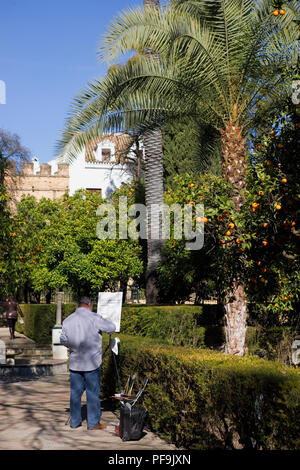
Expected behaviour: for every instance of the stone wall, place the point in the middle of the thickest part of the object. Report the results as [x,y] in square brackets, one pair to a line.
[40,184]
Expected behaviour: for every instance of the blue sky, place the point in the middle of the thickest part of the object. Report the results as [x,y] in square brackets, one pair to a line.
[47,55]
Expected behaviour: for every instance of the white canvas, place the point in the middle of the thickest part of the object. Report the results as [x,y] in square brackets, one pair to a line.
[110,307]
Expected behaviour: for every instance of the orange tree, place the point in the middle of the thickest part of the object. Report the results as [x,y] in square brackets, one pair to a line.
[259,241]
[55,246]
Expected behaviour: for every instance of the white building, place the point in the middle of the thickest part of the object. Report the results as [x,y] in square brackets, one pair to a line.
[100,167]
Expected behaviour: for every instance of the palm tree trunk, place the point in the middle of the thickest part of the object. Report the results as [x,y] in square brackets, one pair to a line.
[234,167]
[154,202]
[154,197]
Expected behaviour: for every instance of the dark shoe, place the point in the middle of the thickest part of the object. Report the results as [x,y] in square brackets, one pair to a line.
[98,426]
[75,427]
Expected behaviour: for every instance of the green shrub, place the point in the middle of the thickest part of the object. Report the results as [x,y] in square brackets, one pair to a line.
[39,319]
[180,325]
[207,400]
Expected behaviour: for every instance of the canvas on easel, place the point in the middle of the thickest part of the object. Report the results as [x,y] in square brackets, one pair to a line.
[110,307]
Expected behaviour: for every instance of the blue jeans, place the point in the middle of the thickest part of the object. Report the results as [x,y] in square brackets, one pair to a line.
[90,382]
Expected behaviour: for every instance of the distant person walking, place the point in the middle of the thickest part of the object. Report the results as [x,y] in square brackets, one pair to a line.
[82,334]
[12,309]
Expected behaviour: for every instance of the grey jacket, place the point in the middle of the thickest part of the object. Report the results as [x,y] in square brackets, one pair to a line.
[81,333]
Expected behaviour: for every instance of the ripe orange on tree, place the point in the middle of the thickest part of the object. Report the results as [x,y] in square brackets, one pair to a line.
[265,224]
[275,12]
[282,12]
[228,233]
[231,225]
[284,180]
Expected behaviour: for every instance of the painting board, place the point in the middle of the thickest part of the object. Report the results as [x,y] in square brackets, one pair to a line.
[110,307]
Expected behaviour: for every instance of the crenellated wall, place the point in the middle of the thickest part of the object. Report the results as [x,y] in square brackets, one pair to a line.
[39,184]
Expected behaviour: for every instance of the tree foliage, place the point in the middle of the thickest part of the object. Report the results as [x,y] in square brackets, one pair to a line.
[54,245]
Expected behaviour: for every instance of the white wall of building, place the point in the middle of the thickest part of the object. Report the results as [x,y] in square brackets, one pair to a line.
[95,175]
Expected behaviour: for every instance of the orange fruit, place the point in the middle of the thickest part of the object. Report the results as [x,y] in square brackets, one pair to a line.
[265,224]
[278,207]
[238,241]
[220,218]
[282,11]
[191,203]
[231,225]
[284,180]
[260,193]
[264,270]
[21,257]
[191,185]
[33,261]
[275,12]
[241,249]
[264,242]
[255,204]
[13,235]
[228,233]
[259,263]
[272,132]
[259,146]
[293,224]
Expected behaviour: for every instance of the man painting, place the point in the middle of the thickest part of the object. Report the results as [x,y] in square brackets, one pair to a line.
[82,334]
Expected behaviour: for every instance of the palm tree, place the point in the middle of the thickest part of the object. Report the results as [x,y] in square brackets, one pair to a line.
[217,61]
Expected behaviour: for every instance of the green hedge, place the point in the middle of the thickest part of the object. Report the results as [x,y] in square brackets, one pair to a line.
[178,325]
[207,400]
[39,320]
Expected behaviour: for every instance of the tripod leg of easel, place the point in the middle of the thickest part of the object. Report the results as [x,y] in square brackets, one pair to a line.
[116,367]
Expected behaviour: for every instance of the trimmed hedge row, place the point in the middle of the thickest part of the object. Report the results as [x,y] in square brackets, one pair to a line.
[39,320]
[180,325]
[177,325]
[207,400]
